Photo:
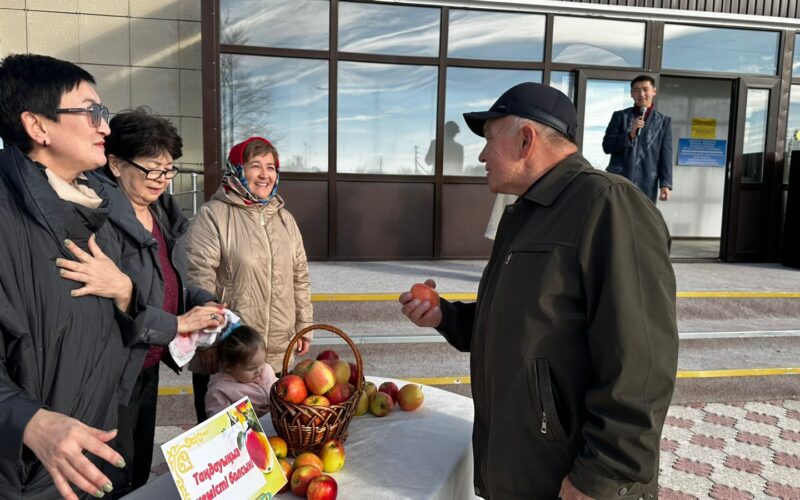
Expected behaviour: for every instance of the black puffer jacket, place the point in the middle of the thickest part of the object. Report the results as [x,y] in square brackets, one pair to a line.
[57,352]
[140,262]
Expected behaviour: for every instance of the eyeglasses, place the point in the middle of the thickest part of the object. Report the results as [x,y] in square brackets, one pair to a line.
[98,111]
[154,174]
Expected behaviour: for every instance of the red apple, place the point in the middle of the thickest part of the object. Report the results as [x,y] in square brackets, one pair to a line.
[322,487]
[302,367]
[339,393]
[425,293]
[342,371]
[314,400]
[327,354]
[381,404]
[353,374]
[410,397]
[363,404]
[332,455]
[287,471]
[320,378]
[291,388]
[389,388]
[301,477]
[370,388]
[308,458]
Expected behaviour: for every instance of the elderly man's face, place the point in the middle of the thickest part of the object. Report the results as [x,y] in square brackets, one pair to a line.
[504,167]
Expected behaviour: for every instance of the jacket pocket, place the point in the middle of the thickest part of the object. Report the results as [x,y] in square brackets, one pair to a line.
[541,392]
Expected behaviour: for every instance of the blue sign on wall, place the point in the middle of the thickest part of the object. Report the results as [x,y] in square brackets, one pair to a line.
[701,152]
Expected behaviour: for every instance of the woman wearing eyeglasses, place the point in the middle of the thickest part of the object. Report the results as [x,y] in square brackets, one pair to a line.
[246,247]
[141,150]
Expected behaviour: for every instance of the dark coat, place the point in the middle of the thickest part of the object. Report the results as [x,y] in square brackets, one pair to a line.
[140,262]
[646,161]
[573,339]
[57,352]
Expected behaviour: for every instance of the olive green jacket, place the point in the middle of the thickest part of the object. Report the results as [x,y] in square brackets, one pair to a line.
[573,339]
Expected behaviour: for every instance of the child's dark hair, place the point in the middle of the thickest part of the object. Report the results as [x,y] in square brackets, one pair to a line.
[240,345]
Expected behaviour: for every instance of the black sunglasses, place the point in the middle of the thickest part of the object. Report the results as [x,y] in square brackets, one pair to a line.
[98,111]
[154,174]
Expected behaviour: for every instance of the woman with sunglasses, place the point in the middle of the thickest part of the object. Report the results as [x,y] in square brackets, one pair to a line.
[149,223]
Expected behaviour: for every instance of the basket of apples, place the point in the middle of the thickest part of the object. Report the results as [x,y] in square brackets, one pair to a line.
[315,402]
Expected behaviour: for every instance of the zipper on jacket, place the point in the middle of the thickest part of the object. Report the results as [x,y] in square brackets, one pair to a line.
[261,216]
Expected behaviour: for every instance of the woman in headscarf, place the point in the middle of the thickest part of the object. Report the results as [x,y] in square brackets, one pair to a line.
[245,246]
[141,151]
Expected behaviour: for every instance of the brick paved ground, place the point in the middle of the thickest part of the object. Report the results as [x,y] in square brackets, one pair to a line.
[731,451]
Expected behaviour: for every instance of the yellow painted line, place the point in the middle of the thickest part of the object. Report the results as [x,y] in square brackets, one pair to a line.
[384,297]
[744,372]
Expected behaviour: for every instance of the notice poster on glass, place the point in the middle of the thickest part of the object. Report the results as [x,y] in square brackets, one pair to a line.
[225,457]
[701,152]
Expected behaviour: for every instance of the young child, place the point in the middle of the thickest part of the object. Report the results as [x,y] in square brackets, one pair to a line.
[245,372]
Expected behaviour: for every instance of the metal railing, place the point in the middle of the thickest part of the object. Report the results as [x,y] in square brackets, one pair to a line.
[194,192]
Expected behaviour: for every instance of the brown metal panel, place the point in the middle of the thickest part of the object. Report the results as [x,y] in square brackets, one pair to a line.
[333,112]
[750,237]
[209,49]
[384,220]
[444,26]
[308,203]
[465,212]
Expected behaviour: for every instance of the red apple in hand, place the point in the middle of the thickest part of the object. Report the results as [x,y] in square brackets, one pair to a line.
[425,293]
[410,397]
[320,378]
[301,477]
[327,354]
[389,388]
[322,487]
[291,388]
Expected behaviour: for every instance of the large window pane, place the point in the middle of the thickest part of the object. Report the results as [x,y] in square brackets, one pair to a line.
[298,24]
[387,115]
[796,60]
[388,29]
[599,42]
[284,100]
[603,97]
[755,135]
[793,128]
[496,35]
[565,82]
[720,49]
[471,89]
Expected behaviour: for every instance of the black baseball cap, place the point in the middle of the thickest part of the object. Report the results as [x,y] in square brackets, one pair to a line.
[533,101]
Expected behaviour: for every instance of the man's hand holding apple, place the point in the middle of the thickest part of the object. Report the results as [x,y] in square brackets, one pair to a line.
[421,313]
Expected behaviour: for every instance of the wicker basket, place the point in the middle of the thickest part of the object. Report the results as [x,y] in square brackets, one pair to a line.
[304,427]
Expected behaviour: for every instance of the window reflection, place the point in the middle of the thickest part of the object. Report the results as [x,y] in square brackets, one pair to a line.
[603,97]
[599,42]
[720,49]
[796,60]
[284,100]
[565,82]
[792,128]
[387,115]
[496,35]
[755,135]
[388,29]
[299,24]
[470,89]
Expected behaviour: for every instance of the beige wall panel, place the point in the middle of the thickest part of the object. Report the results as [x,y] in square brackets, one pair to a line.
[157,88]
[12,32]
[53,5]
[192,133]
[104,40]
[190,57]
[12,4]
[190,10]
[158,9]
[191,93]
[104,7]
[113,85]
[154,42]
[54,35]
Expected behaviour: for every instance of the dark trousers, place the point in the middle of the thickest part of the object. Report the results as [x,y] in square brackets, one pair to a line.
[136,433]
[200,388]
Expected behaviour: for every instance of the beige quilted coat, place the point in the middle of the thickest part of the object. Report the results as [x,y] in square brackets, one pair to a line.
[252,257]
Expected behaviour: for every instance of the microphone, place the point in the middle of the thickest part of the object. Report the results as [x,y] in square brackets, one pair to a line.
[643,111]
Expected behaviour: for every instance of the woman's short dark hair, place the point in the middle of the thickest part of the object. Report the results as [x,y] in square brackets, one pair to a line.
[240,345]
[140,132]
[30,82]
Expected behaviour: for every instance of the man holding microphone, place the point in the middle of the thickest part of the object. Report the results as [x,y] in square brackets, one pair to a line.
[639,140]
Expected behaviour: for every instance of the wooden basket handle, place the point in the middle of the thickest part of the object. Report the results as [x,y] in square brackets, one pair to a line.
[332,329]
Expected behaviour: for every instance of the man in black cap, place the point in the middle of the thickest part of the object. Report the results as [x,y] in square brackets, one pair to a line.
[573,337]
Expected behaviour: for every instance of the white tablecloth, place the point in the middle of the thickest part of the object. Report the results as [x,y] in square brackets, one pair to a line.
[424,454]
